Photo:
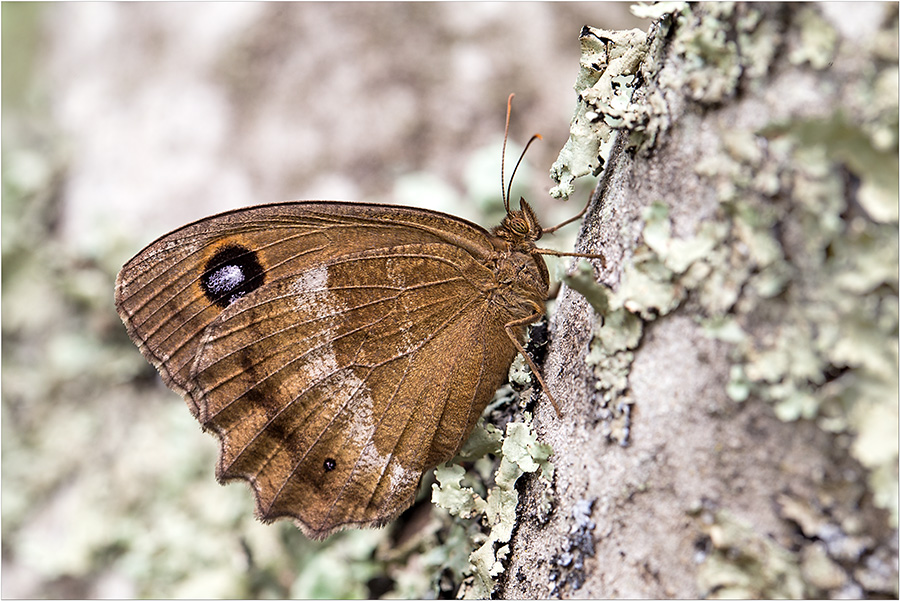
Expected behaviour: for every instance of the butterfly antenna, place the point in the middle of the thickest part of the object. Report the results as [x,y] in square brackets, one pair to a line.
[506,188]
[503,155]
[519,162]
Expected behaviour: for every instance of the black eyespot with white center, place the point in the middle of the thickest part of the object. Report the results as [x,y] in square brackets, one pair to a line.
[230,274]
[329,464]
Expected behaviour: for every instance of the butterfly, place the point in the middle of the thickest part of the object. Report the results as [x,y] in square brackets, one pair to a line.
[337,350]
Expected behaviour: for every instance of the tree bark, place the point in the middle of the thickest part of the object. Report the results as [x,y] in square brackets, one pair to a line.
[730,418]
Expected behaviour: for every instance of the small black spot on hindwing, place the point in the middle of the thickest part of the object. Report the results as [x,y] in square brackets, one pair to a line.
[329,464]
[230,274]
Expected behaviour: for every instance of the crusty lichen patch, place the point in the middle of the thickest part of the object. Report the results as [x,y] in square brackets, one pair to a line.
[615,64]
[826,292]
[741,563]
[610,61]
[737,561]
[490,511]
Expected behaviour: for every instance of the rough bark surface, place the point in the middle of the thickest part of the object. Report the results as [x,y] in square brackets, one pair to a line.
[647,519]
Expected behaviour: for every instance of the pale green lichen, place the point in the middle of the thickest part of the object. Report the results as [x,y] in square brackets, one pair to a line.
[829,351]
[656,10]
[757,39]
[520,453]
[720,49]
[712,63]
[743,563]
[614,65]
[817,43]
[582,280]
[657,280]
[610,61]
[846,142]
[678,255]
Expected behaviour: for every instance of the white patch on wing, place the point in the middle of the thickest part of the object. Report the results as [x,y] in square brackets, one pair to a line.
[319,364]
[345,391]
[314,300]
[402,477]
[399,477]
[362,421]
[312,288]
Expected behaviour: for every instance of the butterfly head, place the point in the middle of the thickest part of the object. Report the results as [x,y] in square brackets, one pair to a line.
[520,228]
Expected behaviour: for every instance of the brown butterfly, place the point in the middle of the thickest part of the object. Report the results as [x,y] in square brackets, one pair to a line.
[337,350]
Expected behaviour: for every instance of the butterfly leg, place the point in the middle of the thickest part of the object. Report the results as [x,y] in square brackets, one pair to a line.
[550,230]
[509,332]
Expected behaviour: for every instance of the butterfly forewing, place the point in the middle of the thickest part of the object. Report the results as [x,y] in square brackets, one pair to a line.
[159,295]
[338,350]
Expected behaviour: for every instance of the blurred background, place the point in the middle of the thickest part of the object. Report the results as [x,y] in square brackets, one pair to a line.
[122,121]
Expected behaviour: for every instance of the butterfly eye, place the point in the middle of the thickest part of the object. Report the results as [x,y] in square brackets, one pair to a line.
[519,227]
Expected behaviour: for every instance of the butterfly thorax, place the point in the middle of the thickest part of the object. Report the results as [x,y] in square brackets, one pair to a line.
[522,283]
